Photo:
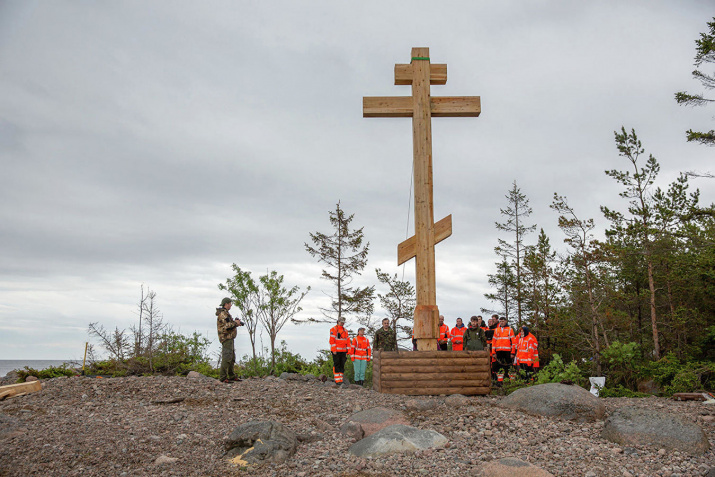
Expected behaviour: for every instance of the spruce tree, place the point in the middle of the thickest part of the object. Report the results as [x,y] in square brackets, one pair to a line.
[344,253]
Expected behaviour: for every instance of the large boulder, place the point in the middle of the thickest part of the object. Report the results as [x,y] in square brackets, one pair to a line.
[260,441]
[556,400]
[377,418]
[510,467]
[634,426]
[397,438]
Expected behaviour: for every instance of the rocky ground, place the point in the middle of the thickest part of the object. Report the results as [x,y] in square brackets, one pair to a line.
[177,426]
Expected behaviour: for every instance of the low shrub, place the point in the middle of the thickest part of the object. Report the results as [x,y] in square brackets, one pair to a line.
[47,373]
[556,371]
[620,391]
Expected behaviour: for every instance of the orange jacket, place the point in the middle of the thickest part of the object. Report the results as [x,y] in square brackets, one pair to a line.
[339,339]
[443,333]
[456,335]
[527,351]
[504,339]
[360,349]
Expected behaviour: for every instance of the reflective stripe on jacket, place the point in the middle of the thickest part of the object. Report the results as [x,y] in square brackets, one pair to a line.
[504,339]
[457,339]
[443,333]
[339,339]
[360,348]
[527,350]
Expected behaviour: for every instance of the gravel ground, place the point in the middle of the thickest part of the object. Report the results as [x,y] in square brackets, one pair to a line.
[89,426]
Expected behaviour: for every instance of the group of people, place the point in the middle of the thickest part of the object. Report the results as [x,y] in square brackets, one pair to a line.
[508,350]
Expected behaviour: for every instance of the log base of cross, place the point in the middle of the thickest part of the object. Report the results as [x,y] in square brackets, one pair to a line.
[424,373]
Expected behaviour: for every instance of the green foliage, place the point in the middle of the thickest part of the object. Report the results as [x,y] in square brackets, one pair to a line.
[623,363]
[289,362]
[510,385]
[285,361]
[556,371]
[675,376]
[175,353]
[47,373]
[399,302]
[620,391]
[277,304]
[344,255]
[704,53]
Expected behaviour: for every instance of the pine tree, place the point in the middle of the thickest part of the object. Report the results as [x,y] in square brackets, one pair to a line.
[705,53]
[642,210]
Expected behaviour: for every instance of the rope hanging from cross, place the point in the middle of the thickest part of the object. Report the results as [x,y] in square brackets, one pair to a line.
[422,107]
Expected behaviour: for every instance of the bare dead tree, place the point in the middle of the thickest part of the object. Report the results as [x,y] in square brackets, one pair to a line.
[116,342]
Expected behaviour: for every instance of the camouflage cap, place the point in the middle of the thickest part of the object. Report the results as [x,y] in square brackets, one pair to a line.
[226,300]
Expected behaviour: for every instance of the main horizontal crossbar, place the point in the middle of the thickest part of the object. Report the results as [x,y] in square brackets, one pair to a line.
[408,249]
[401,106]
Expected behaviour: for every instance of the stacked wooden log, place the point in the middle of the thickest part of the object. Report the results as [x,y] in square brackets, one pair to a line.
[417,373]
[20,389]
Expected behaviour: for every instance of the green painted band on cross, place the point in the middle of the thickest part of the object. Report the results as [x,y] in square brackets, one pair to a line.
[420,58]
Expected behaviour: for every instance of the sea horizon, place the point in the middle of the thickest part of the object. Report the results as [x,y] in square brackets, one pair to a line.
[7,365]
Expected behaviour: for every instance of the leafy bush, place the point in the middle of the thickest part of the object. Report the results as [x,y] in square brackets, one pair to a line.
[675,376]
[47,373]
[556,371]
[623,364]
[620,391]
[174,354]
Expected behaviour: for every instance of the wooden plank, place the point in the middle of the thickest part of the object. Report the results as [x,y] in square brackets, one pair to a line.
[402,107]
[425,289]
[467,391]
[408,249]
[433,354]
[20,388]
[691,396]
[435,376]
[433,362]
[438,74]
[387,107]
[446,383]
[456,106]
[385,369]
[376,369]
[426,327]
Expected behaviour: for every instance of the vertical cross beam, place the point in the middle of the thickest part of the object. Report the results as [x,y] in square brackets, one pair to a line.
[424,209]
[421,107]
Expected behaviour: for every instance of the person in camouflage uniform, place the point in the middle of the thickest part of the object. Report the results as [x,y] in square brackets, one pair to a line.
[226,326]
[385,338]
[474,339]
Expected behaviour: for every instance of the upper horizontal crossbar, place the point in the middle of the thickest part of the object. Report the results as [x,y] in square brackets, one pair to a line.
[401,106]
[438,74]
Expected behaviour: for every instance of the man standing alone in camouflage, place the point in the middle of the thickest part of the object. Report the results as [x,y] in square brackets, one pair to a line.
[226,326]
[385,338]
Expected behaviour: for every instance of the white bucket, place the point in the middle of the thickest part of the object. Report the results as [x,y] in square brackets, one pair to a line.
[597,383]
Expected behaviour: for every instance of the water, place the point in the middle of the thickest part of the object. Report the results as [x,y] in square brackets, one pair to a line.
[7,365]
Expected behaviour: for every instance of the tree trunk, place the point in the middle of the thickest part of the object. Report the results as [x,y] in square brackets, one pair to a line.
[654,322]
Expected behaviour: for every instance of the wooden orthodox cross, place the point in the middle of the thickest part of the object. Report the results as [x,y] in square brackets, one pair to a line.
[421,107]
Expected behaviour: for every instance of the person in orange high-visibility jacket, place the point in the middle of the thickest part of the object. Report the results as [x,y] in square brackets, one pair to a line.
[489,333]
[443,335]
[456,335]
[504,347]
[527,351]
[339,340]
[360,354]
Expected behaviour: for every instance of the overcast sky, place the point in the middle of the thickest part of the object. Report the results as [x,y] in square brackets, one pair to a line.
[157,143]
